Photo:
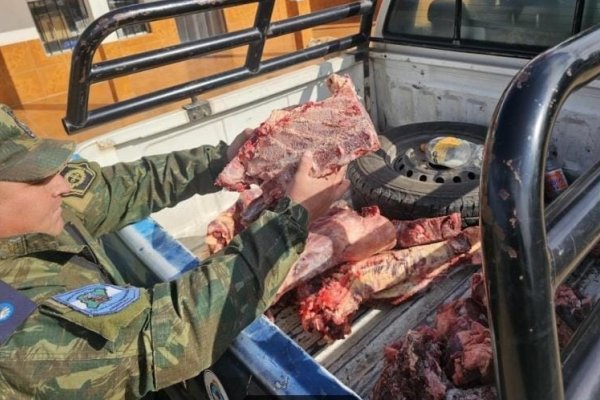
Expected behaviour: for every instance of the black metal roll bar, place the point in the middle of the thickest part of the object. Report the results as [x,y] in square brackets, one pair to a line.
[84,73]
[528,249]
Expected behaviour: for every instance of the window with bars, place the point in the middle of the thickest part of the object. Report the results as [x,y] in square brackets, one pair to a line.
[504,26]
[59,22]
[129,30]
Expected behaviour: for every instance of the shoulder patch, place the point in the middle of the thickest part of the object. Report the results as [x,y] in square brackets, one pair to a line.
[79,176]
[15,308]
[99,299]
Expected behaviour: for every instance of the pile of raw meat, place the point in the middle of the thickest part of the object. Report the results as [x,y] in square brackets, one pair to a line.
[394,274]
[354,257]
[453,360]
[351,256]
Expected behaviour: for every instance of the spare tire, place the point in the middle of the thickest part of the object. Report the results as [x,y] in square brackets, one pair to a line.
[399,179]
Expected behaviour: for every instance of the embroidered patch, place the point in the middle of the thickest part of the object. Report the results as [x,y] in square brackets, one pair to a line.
[80,177]
[14,310]
[99,299]
[6,311]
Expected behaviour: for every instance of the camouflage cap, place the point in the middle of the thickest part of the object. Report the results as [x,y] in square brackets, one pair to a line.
[24,157]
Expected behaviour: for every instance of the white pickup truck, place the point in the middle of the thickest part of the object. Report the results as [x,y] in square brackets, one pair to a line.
[475,69]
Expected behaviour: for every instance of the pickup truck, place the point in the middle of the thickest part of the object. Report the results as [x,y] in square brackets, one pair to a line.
[518,76]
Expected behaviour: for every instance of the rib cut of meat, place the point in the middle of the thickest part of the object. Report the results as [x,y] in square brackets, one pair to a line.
[329,310]
[339,236]
[337,130]
[426,230]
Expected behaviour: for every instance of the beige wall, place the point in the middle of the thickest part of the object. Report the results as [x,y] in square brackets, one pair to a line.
[15,15]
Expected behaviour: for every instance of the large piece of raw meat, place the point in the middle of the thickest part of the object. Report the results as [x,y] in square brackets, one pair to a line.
[340,236]
[337,130]
[405,272]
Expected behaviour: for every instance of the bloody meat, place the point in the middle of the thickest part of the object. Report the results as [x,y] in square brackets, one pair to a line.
[340,236]
[412,368]
[467,355]
[337,130]
[457,350]
[426,230]
[330,309]
[230,222]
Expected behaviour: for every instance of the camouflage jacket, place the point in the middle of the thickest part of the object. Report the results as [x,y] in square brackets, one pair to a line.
[168,332]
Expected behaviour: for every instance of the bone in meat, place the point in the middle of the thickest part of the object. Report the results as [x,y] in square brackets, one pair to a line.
[426,230]
[229,223]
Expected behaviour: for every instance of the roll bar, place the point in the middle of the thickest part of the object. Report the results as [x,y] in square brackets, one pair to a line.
[84,72]
[528,249]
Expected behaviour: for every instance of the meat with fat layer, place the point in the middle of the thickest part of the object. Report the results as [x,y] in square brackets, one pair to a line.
[330,309]
[418,282]
[426,230]
[337,130]
[340,236]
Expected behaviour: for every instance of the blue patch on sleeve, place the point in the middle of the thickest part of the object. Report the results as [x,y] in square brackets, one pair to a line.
[99,299]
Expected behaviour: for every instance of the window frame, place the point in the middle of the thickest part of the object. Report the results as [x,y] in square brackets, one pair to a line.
[49,42]
[469,45]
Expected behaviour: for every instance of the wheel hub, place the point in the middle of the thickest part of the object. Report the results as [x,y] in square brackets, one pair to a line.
[412,163]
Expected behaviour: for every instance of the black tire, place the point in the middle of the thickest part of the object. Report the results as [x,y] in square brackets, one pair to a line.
[404,185]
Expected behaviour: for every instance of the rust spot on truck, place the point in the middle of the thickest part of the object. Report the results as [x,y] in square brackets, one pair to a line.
[509,164]
[512,253]
[522,78]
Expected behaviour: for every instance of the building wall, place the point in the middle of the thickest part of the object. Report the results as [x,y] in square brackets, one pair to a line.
[17,19]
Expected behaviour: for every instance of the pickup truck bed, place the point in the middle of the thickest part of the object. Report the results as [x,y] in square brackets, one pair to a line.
[357,360]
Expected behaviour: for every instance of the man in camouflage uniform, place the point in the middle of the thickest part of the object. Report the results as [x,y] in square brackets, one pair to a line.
[70,325]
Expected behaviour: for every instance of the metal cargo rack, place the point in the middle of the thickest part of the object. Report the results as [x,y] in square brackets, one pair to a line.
[84,72]
[529,249]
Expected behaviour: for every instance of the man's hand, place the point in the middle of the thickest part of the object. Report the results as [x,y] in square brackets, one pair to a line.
[238,142]
[316,194]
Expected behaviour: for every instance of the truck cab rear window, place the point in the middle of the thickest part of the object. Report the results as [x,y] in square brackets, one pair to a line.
[506,26]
